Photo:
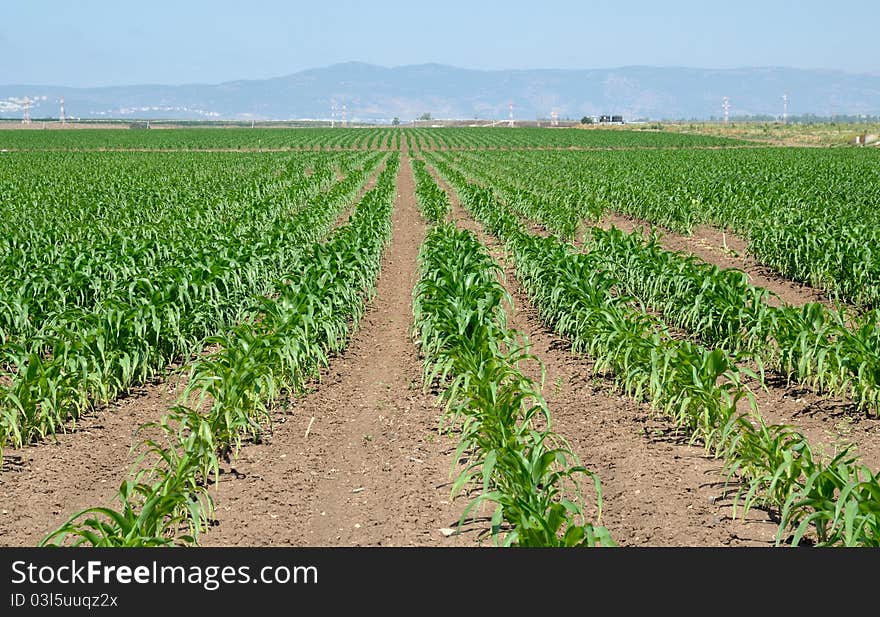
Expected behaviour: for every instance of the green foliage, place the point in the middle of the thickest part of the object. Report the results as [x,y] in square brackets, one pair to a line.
[102,308]
[831,351]
[522,467]
[808,213]
[433,201]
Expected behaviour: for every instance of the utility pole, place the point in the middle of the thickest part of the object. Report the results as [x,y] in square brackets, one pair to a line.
[725,105]
[510,114]
[61,117]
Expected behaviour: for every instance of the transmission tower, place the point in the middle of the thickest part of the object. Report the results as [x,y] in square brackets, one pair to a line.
[554,118]
[785,108]
[61,117]
[26,117]
[510,114]
[725,105]
[344,115]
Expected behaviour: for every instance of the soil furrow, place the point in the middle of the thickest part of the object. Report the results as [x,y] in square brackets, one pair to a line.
[828,422]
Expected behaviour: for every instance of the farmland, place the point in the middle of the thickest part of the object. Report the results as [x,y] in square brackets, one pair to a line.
[442,337]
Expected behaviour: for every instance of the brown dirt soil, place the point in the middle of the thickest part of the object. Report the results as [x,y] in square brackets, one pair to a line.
[658,490]
[357,461]
[708,244]
[44,484]
[829,423]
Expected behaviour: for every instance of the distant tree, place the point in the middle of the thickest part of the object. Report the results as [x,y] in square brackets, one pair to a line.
[587,120]
[396,121]
[425,116]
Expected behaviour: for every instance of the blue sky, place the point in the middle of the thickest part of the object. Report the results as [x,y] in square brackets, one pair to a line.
[99,42]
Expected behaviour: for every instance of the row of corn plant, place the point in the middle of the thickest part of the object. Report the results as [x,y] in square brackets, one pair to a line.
[90,241]
[91,355]
[532,138]
[829,350]
[834,502]
[433,201]
[461,323]
[518,464]
[555,207]
[309,316]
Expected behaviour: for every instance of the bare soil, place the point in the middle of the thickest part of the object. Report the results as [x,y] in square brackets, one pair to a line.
[828,422]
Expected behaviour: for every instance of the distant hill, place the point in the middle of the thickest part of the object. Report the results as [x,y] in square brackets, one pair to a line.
[372,93]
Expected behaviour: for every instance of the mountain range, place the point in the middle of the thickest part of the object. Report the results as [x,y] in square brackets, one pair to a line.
[374,93]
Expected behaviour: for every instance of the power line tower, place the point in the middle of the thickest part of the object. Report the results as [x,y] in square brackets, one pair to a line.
[554,118]
[510,114]
[785,108]
[332,114]
[344,115]
[26,116]
[61,116]
[725,105]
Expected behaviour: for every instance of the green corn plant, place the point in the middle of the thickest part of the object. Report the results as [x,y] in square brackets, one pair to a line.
[433,201]
[524,469]
[88,355]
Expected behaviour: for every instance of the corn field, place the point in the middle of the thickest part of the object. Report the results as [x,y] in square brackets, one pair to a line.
[243,263]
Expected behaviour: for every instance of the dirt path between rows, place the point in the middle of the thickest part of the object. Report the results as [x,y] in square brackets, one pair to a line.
[357,461]
[709,244]
[658,491]
[828,423]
